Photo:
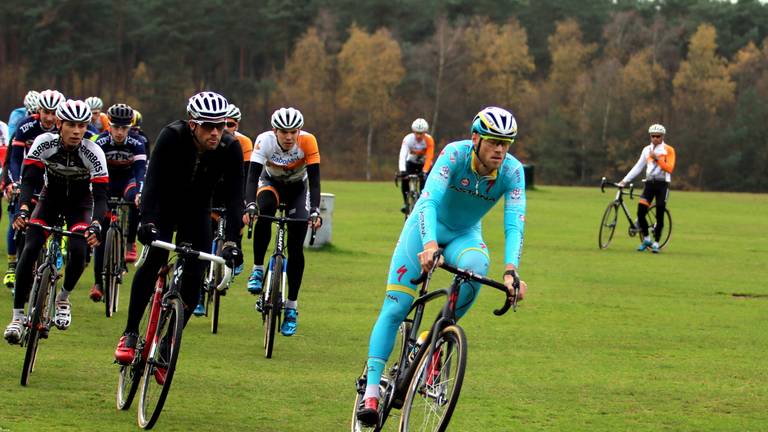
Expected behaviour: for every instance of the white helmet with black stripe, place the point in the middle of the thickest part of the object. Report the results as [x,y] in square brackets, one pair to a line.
[233,112]
[287,118]
[208,106]
[50,99]
[94,103]
[74,111]
[32,101]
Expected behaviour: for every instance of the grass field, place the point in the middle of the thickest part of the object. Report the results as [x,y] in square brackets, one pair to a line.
[607,340]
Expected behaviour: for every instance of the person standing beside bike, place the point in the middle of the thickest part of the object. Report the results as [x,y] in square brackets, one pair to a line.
[71,173]
[468,178]
[416,156]
[188,160]
[658,159]
[285,167]
[127,163]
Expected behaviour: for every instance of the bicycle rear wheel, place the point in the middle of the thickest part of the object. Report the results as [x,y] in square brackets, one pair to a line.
[38,322]
[214,293]
[161,363]
[272,304]
[387,384]
[666,230]
[130,375]
[435,387]
[608,225]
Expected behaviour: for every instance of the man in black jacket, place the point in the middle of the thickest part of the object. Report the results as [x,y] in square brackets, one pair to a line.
[188,159]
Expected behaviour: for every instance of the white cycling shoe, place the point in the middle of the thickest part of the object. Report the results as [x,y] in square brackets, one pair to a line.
[63,317]
[13,332]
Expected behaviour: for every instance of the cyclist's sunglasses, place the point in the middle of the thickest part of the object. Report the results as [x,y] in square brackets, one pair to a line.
[231,124]
[209,126]
[655,136]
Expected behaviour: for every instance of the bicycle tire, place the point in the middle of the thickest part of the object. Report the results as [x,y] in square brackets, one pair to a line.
[273,305]
[387,384]
[216,300]
[666,231]
[130,375]
[608,225]
[41,292]
[431,386]
[169,327]
[107,272]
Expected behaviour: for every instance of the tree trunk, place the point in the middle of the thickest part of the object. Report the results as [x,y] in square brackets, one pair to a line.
[369,143]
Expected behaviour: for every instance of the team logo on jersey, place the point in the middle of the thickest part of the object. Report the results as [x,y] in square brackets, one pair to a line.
[401,272]
[522,218]
[464,182]
[452,157]
[483,246]
[516,194]
[445,172]
[425,194]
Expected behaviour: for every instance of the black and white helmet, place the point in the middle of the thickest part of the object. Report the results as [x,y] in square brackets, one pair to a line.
[234,112]
[74,111]
[287,118]
[50,99]
[208,106]
[32,101]
[120,114]
[95,103]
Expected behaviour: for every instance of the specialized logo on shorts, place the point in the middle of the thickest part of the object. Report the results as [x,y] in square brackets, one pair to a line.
[464,182]
[401,271]
[445,172]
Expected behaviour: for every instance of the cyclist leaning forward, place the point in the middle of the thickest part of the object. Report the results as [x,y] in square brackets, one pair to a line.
[416,155]
[285,167]
[73,173]
[467,180]
[127,163]
[188,159]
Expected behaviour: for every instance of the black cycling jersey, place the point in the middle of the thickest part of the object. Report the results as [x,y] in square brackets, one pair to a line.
[180,179]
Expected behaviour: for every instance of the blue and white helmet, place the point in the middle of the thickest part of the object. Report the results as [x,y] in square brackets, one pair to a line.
[495,123]
[208,106]
[74,111]
[287,118]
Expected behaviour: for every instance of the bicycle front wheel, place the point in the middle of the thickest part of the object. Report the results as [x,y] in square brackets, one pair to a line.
[161,363]
[666,230]
[435,387]
[608,225]
[111,271]
[38,322]
[216,294]
[273,303]
[130,375]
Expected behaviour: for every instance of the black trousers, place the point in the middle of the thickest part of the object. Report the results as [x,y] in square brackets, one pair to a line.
[658,190]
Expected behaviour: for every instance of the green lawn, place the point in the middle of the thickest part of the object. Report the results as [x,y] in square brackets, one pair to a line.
[607,340]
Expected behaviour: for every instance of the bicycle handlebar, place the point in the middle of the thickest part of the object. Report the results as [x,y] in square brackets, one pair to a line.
[58,230]
[470,275]
[203,256]
[285,219]
[399,176]
[604,182]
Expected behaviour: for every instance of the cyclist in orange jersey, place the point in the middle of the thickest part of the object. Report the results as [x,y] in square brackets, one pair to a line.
[416,155]
[658,159]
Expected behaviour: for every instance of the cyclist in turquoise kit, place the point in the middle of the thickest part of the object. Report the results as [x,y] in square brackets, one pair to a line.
[467,180]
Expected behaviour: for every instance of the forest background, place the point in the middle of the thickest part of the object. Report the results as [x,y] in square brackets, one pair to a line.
[584,78]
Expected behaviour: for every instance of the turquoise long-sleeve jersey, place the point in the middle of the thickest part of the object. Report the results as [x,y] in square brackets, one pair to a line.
[457,197]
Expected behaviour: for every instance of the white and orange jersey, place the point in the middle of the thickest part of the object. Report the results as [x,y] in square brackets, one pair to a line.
[659,168]
[420,152]
[286,166]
